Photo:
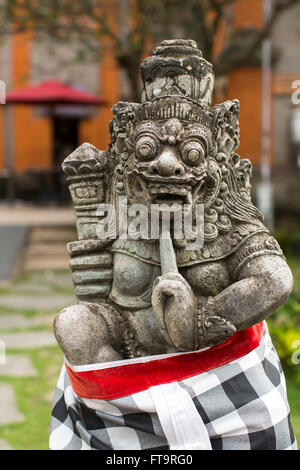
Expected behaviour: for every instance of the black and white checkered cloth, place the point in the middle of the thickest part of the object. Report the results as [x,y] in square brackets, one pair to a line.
[241,405]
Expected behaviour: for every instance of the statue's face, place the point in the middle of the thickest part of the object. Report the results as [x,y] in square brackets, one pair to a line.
[169,162]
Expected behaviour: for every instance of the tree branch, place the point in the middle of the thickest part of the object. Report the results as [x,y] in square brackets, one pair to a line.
[243,58]
[129,23]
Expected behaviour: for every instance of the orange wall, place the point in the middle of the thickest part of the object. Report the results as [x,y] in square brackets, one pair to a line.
[96,129]
[245,85]
[32,135]
[248,13]
[2,159]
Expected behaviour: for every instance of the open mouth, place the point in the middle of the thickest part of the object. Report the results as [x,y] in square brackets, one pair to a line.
[169,192]
[169,195]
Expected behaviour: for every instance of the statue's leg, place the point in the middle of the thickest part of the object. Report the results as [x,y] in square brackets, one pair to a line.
[88,333]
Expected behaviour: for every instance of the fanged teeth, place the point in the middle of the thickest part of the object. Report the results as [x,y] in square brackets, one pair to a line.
[167,190]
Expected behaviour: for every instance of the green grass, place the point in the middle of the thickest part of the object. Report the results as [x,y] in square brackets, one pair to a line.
[28,312]
[294,264]
[293,391]
[293,387]
[34,399]
[34,395]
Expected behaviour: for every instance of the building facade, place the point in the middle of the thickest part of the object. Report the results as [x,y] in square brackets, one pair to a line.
[28,136]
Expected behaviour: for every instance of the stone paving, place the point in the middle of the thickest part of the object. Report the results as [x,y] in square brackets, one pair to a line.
[9,410]
[30,339]
[34,302]
[4,445]
[17,366]
[26,214]
[27,310]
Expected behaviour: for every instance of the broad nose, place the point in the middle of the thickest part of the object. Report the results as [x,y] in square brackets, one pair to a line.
[166,165]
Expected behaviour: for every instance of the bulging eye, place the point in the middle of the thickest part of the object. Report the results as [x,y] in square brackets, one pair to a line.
[146,148]
[193,153]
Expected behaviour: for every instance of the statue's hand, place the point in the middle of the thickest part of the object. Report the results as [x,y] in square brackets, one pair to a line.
[91,266]
[175,307]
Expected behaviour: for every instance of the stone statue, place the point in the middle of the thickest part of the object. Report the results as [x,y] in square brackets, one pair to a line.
[140,297]
[167,345]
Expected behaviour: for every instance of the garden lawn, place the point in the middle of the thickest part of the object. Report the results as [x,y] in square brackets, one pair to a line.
[34,397]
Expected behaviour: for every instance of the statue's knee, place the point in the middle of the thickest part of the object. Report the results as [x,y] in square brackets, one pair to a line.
[79,332]
[70,320]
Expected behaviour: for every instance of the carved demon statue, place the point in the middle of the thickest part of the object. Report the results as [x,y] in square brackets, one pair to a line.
[144,297]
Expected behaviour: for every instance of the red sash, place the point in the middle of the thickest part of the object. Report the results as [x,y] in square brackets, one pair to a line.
[108,381]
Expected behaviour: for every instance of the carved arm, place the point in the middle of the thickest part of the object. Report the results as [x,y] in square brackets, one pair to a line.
[263,282]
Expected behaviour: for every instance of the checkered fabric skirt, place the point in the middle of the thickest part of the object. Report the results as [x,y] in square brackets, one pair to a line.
[241,405]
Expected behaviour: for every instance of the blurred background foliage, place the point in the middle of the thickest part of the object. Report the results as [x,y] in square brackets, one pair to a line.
[284,324]
[284,327]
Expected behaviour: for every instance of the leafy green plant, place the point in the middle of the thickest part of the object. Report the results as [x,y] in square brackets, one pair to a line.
[284,328]
[289,242]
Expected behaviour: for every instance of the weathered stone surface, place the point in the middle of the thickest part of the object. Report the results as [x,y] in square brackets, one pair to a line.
[167,292]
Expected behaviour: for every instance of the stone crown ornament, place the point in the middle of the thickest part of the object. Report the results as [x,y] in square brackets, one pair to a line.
[143,296]
[177,68]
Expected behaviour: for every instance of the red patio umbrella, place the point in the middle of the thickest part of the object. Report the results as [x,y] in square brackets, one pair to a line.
[52,92]
[50,95]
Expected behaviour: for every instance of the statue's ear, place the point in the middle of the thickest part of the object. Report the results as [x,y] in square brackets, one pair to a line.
[122,125]
[227,129]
